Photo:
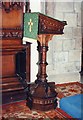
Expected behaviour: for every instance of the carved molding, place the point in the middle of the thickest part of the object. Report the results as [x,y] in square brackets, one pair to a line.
[48,25]
[8,34]
[8,6]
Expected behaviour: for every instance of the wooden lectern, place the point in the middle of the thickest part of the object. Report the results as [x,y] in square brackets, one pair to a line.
[41,94]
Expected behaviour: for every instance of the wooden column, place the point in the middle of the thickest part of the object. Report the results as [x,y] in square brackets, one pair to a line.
[42,63]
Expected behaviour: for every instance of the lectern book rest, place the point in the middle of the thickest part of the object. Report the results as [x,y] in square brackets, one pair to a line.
[37,23]
[41,95]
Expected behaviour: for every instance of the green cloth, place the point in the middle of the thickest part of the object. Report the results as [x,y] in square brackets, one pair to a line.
[31,25]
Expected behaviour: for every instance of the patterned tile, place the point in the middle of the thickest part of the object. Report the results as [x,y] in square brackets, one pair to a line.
[19,110]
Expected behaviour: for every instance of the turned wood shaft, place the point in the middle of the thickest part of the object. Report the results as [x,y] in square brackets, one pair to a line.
[42,50]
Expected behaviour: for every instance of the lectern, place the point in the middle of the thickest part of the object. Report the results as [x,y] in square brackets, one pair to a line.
[41,94]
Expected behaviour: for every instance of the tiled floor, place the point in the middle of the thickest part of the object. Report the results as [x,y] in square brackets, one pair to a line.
[19,110]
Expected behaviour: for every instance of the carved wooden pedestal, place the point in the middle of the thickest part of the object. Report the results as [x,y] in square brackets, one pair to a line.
[42,94]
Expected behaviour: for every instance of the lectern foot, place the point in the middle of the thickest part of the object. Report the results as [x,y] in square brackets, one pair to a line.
[42,96]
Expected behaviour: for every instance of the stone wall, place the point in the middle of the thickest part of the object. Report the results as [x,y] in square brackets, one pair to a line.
[64,55]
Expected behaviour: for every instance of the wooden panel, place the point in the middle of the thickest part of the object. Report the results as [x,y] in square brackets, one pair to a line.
[14,18]
[8,65]
[11,66]
[10,42]
[11,84]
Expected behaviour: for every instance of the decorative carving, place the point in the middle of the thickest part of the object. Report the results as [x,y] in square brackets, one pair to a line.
[10,33]
[42,96]
[13,32]
[50,26]
[8,6]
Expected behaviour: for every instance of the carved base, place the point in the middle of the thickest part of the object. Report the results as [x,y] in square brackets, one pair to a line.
[42,96]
